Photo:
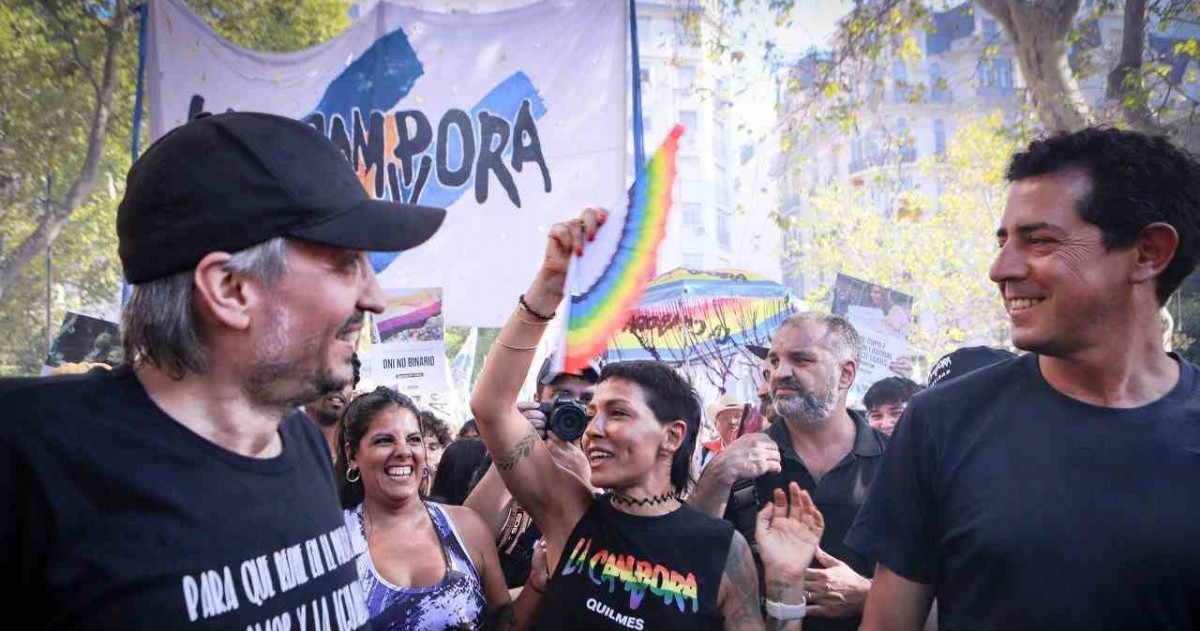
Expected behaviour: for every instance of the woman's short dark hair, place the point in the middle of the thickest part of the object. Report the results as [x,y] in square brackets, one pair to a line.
[671,397]
[355,422]
[1136,180]
[459,462]
[431,424]
[466,427]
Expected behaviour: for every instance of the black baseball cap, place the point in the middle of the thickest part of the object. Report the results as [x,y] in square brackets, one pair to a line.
[964,360]
[546,375]
[227,182]
[758,351]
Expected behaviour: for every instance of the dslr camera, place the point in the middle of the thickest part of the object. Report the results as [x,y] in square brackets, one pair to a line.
[565,416]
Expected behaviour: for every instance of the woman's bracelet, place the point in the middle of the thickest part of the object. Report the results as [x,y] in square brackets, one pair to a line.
[520,316]
[517,348]
[540,316]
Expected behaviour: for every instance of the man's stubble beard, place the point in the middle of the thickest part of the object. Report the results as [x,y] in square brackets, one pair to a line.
[807,410]
[277,381]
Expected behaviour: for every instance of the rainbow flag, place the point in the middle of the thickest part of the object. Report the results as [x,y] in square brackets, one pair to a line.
[595,314]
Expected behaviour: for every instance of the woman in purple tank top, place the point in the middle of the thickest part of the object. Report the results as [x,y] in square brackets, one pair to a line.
[422,566]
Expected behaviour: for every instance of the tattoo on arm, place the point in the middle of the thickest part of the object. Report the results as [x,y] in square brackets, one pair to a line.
[741,606]
[782,591]
[501,619]
[776,589]
[521,450]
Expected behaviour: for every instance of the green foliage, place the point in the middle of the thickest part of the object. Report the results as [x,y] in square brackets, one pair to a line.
[51,57]
[938,253]
[1185,310]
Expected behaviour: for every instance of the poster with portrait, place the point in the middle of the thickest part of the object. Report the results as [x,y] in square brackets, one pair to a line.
[883,318]
[82,343]
[410,354]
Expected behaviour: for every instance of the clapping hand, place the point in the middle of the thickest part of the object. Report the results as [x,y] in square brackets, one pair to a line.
[788,534]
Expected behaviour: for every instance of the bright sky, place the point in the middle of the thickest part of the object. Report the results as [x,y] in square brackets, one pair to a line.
[813,23]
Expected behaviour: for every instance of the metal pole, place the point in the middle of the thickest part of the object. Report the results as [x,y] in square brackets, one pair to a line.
[49,269]
[639,150]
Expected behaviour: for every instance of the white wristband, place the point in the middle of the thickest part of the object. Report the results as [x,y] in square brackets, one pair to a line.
[780,611]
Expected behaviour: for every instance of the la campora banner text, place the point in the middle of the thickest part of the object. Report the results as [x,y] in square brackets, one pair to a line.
[512,120]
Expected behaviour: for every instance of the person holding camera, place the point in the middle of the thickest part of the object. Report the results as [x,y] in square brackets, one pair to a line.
[636,557]
[559,416]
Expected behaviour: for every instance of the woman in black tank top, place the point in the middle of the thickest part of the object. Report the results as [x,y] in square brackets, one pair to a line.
[636,557]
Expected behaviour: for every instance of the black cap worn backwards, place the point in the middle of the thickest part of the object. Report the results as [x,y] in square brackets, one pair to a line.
[231,181]
[964,360]
[546,374]
[758,351]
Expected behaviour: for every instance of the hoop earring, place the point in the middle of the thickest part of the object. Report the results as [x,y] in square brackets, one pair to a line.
[428,472]
[353,470]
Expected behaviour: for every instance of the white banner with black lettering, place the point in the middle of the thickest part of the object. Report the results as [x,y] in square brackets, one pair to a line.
[512,120]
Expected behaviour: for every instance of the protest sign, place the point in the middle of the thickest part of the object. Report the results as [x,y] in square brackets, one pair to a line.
[410,355]
[882,317]
[83,342]
[507,119]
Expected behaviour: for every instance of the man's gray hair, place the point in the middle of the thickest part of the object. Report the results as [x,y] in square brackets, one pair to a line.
[841,338]
[158,322]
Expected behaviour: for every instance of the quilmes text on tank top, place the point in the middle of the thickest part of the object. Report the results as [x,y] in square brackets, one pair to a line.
[627,572]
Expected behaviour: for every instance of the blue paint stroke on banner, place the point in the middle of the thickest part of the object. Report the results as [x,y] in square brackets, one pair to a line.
[384,75]
[377,80]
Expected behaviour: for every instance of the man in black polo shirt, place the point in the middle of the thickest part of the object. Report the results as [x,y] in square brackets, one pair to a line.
[816,441]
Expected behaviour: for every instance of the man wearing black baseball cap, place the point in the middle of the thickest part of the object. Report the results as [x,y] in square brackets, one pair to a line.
[185,487]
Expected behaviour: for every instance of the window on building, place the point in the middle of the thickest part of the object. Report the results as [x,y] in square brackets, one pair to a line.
[692,260]
[939,136]
[693,214]
[1004,72]
[938,88]
[724,236]
[905,141]
[687,79]
[647,37]
[720,150]
[875,86]
[899,81]
[997,72]
[989,29]
[689,168]
[691,125]
[875,144]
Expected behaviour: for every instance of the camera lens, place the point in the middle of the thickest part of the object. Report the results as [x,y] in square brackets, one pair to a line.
[569,422]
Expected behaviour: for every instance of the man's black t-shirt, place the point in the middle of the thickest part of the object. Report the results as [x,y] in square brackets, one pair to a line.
[838,496]
[116,516]
[620,571]
[1031,510]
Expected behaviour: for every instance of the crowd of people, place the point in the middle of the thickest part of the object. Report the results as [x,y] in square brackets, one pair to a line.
[229,475]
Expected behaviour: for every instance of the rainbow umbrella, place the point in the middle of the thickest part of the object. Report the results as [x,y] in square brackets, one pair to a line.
[687,315]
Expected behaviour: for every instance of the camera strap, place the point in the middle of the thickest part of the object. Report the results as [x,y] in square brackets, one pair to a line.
[744,505]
